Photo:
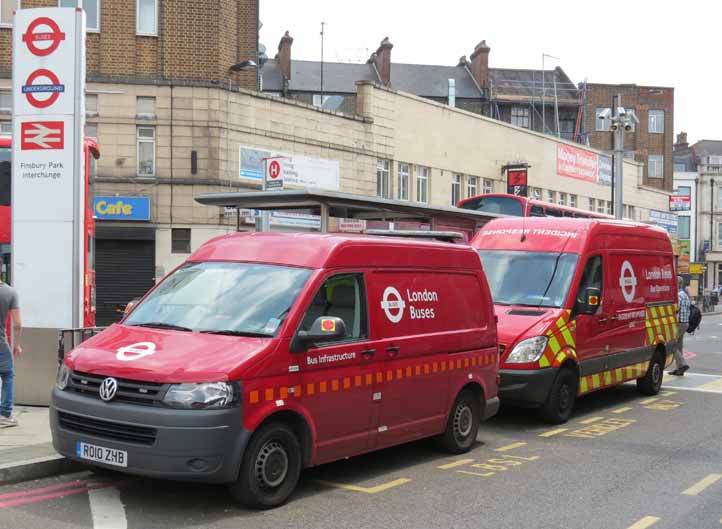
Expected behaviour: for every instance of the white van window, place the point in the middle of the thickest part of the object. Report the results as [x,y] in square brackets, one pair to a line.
[341,296]
[591,278]
[240,299]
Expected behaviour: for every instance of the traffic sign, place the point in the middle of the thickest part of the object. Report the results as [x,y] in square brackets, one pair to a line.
[274,174]
[54,37]
[54,88]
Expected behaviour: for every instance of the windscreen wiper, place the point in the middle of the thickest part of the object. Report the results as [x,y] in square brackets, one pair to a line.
[247,334]
[161,325]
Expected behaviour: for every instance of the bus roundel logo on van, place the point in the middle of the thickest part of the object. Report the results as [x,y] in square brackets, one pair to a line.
[135,351]
[393,305]
[628,282]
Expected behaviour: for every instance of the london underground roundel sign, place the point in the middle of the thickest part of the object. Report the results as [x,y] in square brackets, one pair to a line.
[43,36]
[52,86]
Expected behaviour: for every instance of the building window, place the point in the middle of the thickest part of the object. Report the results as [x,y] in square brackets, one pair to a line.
[680,168]
[456,188]
[656,121]
[683,227]
[6,11]
[629,212]
[91,131]
[91,105]
[382,178]
[600,206]
[655,166]
[147,17]
[536,193]
[566,129]
[714,160]
[608,210]
[145,107]
[551,196]
[686,191]
[520,116]
[146,151]
[630,155]
[422,184]
[562,199]
[592,204]
[602,121]
[719,199]
[403,181]
[92,11]
[6,127]
[471,186]
[6,101]
[488,184]
[573,200]
[180,240]
[719,235]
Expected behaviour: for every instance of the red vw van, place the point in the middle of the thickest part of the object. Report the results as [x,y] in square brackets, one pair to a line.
[581,304]
[266,353]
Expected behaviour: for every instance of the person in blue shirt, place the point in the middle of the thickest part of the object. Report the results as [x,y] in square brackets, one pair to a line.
[683,303]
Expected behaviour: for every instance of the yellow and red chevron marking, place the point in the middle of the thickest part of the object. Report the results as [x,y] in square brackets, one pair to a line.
[380,376]
[606,379]
[562,343]
[661,324]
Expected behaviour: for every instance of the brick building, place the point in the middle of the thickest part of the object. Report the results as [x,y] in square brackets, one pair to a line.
[651,141]
[511,95]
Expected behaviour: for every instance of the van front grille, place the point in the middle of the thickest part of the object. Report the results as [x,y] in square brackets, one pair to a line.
[129,391]
[115,431]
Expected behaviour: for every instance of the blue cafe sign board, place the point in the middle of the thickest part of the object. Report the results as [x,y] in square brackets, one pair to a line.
[121,208]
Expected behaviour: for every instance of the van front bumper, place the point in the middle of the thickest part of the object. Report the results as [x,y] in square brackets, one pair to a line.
[187,445]
[526,387]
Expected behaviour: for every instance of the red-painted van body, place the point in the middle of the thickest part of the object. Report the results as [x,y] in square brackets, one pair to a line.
[581,304]
[264,344]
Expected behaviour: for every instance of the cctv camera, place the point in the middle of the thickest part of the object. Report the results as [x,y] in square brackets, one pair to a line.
[621,112]
[628,127]
[634,117]
[614,126]
[604,114]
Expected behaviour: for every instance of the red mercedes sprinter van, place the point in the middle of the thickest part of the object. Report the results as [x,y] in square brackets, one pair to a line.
[266,353]
[581,304]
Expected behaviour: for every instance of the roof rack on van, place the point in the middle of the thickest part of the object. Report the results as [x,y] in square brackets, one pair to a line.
[448,236]
[328,204]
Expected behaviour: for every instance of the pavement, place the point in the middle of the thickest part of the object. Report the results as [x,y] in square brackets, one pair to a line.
[623,461]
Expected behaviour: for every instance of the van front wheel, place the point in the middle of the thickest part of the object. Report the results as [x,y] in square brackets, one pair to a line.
[651,383]
[562,396]
[463,425]
[270,469]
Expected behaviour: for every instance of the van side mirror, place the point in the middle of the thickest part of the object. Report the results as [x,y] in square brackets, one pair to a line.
[592,299]
[325,328]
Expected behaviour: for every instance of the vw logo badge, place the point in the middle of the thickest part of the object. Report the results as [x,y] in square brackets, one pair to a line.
[108,389]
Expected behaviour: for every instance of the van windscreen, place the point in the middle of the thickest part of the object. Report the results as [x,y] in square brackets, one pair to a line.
[535,279]
[242,299]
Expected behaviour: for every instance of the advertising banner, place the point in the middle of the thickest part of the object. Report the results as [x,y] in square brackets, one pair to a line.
[577,163]
[680,203]
[48,191]
[297,171]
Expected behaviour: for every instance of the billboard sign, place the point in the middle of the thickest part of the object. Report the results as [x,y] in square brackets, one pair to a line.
[680,203]
[665,220]
[48,191]
[516,182]
[297,171]
[584,165]
[122,208]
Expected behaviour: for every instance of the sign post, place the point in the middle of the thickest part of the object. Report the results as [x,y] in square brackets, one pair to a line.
[48,191]
[273,174]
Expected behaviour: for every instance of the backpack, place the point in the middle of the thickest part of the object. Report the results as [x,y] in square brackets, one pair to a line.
[695,318]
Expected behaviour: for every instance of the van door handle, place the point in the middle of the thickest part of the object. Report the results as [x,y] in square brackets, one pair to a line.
[393,350]
[368,353]
[603,320]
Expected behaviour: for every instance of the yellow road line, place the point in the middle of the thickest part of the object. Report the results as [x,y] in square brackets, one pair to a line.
[551,433]
[648,401]
[512,446]
[715,385]
[367,490]
[590,421]
[668,393]
[482,474]
[459,463]
[621,410]
[702,484]
[647,521]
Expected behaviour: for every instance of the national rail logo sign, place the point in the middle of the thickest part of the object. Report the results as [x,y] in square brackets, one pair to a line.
[43,36]
[42,135]
[35,85]
[628,281]
[393,305]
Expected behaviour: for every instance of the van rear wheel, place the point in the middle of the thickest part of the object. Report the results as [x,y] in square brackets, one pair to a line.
[463,424]
[651,383]
[559,404]
[270,469]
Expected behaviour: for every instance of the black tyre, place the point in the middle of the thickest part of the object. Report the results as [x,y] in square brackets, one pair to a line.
[562,396]
[270,469]
[463,425]
[651,383]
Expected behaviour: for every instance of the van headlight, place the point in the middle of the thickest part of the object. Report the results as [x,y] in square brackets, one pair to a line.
[528,351]
[206,396]
[63,376]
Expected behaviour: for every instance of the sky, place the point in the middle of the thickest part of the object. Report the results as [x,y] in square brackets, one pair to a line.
[634,41]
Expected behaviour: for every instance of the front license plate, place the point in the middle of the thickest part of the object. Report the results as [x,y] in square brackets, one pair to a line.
[100,454]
